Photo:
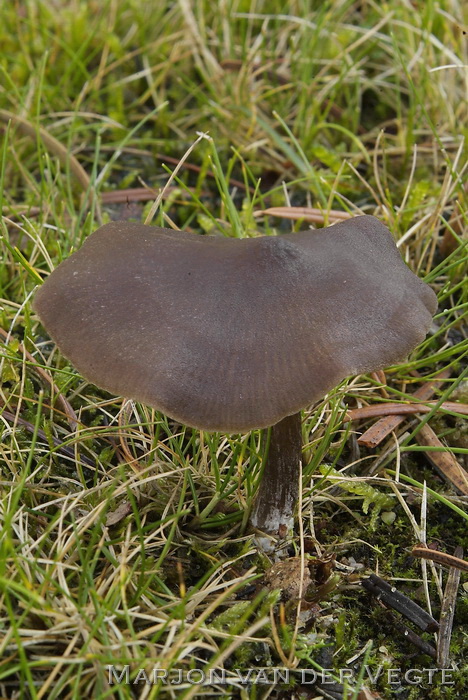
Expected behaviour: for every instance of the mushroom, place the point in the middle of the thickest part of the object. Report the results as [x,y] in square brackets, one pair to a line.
[230,335]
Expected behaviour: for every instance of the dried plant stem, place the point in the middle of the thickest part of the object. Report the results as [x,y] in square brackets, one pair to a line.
[440,557]
[447,612]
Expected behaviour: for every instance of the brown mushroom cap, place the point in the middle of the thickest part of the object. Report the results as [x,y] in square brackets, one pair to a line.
[233,334]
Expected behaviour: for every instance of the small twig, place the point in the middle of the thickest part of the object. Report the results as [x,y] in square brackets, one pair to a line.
[411,635]
[416,640]
[135,194]
[393,409]
[444,462]
[383,427]
[447,613]
[440,557]
[392,598]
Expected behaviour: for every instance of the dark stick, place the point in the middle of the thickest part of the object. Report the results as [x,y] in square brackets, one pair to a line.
[273,510]
[392,598]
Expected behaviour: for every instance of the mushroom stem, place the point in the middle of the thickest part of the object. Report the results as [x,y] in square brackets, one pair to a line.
[273,510]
